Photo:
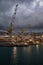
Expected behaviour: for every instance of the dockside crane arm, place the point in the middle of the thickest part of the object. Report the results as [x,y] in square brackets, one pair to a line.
[10,28]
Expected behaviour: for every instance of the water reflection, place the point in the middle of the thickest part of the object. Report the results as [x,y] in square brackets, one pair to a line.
[25,55]
[14,55]
[32,55]
[27,52]
[37,48]
[27,49]
[15,52]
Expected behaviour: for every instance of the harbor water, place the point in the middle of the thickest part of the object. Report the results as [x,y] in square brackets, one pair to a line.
[32,55]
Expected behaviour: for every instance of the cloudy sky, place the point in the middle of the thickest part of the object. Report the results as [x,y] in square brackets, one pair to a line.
[29,12]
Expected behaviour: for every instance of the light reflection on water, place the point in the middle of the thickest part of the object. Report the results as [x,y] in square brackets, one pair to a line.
[27,50]
[24,52]
[37,48]
[14,52]
[20,54]
[27,55]
[14,56]
[32,55]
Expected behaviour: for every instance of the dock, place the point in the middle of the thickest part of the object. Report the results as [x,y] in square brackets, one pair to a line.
[21,40]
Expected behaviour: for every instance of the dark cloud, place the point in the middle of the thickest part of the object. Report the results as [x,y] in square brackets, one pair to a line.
[28,12]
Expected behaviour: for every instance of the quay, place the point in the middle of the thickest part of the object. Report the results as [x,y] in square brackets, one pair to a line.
[21,39]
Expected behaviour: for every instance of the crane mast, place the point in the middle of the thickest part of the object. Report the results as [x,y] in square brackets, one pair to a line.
[12,21]
[10,28]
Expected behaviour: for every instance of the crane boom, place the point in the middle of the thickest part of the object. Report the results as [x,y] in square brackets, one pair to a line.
[13,18]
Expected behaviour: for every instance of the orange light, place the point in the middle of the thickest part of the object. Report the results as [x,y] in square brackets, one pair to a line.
[37,42]
[42,36]
[30,39]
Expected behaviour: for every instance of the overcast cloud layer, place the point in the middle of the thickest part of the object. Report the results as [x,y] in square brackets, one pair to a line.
[28,12]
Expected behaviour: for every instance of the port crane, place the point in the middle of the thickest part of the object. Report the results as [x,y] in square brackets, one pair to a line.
[10,28]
